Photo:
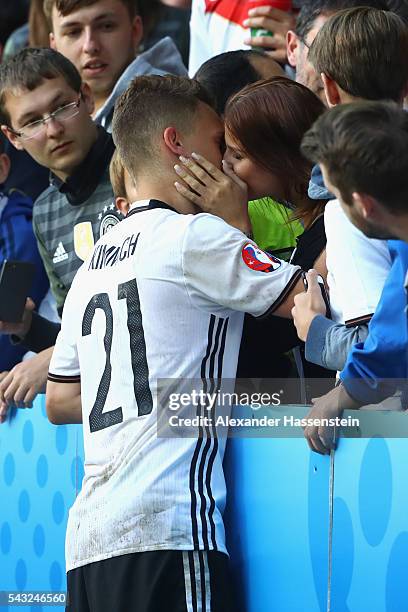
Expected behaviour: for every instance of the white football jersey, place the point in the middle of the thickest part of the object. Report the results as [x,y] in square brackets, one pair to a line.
[357,267]
[162,296]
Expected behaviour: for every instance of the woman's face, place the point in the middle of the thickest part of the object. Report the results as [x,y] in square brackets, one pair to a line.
[261,183]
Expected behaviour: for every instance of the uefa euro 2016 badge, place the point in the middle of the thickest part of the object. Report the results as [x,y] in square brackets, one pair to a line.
[258,260]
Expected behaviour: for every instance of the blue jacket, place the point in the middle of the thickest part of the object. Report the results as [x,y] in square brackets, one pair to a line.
[17,241]
[317,189]
[383,355]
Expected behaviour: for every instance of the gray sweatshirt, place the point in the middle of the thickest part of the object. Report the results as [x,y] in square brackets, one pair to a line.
[163,58]
[328,344]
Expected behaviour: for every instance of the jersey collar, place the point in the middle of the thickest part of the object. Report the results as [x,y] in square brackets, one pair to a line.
[142,205]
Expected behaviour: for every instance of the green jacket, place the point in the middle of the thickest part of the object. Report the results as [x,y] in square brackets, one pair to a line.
[271,227]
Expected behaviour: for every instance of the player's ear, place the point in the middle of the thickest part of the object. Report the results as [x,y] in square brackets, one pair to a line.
[4,167]
[87,97]
[367,206]
[122,205]
[11,136]
[137,32]
[331,90]
[173,142]
[292,47]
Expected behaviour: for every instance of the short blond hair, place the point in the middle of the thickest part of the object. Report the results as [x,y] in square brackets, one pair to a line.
[148,106]
[117,176]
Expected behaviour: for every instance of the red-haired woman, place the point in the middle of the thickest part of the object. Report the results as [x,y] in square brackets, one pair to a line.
[264,126]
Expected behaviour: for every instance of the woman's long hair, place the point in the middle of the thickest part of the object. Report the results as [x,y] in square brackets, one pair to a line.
[269,119]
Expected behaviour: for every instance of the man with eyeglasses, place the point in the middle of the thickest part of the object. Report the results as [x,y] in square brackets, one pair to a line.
[101,38]
[46,110]
[312,16]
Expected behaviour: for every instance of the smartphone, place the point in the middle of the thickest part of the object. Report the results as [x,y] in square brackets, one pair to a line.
[323,291]
[16,279]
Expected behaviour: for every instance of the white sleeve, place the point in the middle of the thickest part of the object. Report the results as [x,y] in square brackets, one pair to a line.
[224,270]
[64,366]
[357,268]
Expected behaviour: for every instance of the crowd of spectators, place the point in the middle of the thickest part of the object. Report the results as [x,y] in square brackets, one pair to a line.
[267,98]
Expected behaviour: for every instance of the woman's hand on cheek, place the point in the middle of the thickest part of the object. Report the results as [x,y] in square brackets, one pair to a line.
[219,193]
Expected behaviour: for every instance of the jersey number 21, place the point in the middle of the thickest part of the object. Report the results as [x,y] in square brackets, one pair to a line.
[98,419]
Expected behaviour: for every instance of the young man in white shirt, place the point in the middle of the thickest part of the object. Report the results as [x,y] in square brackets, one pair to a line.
[362,149]
[360,54]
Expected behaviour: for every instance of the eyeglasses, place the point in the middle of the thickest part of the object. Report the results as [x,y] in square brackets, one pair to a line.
[36,128]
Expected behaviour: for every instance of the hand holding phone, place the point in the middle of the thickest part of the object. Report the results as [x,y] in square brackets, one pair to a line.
[322,286]
[16,279]
[20,329]
[309,304]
